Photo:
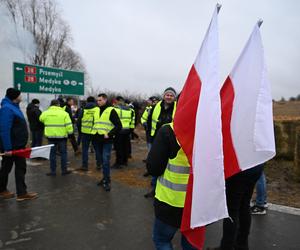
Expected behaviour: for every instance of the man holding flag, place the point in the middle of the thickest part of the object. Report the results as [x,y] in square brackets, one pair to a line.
[248,137]
[167,160]
[13,136]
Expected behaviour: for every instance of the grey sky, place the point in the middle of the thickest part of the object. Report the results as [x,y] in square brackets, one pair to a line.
[144,46]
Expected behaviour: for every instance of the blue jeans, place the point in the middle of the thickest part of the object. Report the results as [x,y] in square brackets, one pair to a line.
[153,181]
[163,235]
[79,138]
[105,152]
[86,141]
[261,190]
[36,138]
[62,146]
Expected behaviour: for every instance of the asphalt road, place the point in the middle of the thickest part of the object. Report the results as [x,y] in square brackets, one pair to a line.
[73,213]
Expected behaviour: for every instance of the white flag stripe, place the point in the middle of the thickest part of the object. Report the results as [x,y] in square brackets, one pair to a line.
[253,138]
[208,169]
[42,151]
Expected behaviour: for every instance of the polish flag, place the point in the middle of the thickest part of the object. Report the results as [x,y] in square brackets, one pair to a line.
[43,152]
[197,125]
[247,117]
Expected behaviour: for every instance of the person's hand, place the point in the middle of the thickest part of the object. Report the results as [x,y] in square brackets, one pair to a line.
[7,153]
[106,136]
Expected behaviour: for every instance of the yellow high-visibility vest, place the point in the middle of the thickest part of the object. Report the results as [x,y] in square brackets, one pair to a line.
[145,114]
[102,124]
[87,121]
[171,186]
[156,114]
[57,122]
[125,116]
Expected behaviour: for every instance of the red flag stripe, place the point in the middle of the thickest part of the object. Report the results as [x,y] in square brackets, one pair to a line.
[26,152]
[185,118]
[196,236]
[184,128]
[231,165]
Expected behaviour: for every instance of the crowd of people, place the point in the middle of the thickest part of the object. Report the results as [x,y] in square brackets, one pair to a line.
[108,125]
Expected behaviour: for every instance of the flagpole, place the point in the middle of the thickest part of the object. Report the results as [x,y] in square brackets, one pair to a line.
[218,7]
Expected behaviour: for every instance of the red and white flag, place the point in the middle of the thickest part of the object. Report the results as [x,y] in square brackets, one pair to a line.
[197,125]
[247,117]
[42,151]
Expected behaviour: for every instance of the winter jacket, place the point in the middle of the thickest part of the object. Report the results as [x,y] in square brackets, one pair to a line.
[33,113]
[13,127]
[166,116]
[164,147]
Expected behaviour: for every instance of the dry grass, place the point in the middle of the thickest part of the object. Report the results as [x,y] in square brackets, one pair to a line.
[286,110]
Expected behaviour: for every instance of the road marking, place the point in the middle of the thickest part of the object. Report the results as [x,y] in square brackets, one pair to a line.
[33,231]
[16,241]
[31,163]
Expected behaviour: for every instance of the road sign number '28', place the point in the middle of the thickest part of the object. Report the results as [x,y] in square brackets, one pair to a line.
[30,79]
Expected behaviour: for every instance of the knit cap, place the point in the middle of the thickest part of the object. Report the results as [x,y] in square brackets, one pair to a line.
[170,90]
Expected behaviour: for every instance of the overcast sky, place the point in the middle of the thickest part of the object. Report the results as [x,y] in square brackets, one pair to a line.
[144,46]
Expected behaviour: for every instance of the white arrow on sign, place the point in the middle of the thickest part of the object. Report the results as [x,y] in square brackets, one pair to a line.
[17,68]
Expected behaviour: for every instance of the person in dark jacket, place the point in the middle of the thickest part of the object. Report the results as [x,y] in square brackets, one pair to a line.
[36,127]
[167,217]
[236,228]
[68,108]
[107,124]
[122,140]
[13,136]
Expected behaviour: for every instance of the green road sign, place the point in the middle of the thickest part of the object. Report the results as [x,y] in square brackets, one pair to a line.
[44,80]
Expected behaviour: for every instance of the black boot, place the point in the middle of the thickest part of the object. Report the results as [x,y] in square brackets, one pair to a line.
[106,185]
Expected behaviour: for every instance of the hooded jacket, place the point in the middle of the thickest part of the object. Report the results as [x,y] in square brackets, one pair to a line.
[33,113]
[13,127]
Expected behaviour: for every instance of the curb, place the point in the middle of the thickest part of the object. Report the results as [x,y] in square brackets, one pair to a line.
[284,209]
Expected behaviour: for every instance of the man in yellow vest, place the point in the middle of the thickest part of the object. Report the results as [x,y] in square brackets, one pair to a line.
[85,124]
[167,161]
[162,113]
[122,140]
[58,126]
[106,125]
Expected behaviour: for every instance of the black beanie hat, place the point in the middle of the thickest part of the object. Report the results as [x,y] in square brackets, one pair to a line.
[12,93]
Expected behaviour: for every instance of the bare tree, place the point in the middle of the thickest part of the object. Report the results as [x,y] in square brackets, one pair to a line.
[51,33]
